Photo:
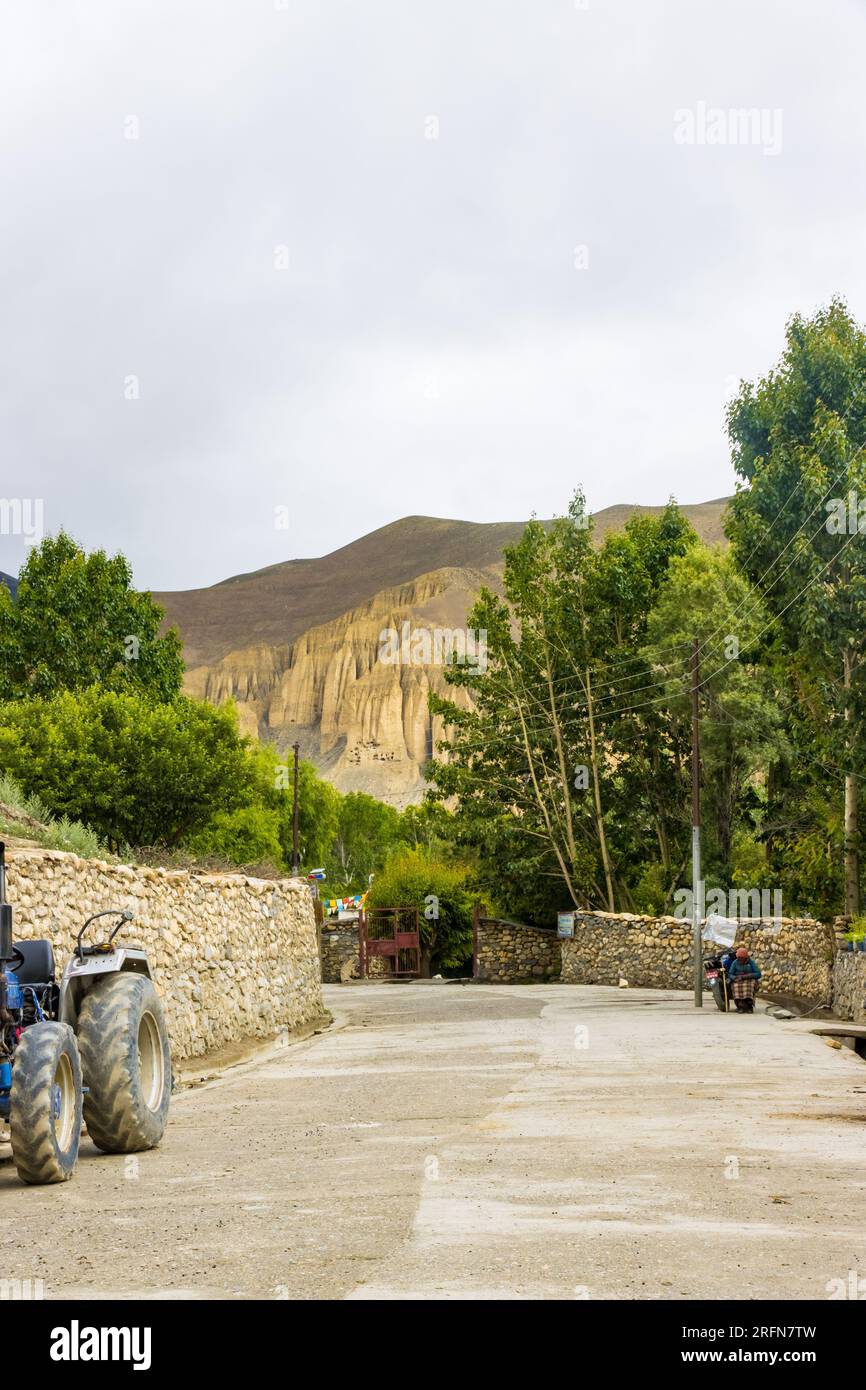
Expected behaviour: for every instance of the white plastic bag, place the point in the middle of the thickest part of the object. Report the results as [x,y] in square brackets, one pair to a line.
[721,930]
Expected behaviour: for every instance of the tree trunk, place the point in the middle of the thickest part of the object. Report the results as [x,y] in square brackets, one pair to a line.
[596,791]
[566,867]
[852,858]
[664,846]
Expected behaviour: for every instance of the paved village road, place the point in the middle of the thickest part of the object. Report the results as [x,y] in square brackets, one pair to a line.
[449,1141]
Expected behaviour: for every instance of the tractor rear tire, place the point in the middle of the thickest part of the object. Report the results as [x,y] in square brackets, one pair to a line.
[126,1062]
[45,1104]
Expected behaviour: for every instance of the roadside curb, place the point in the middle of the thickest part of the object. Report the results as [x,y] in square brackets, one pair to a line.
[198,1073]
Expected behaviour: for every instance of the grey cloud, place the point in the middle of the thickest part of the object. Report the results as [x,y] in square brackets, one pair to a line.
[430,346]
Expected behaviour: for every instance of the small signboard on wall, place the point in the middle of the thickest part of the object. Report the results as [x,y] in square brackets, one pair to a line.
[565,924]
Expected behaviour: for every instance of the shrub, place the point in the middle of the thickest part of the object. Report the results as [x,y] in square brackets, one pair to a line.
[71,835]
[28,816]
[133,771]
[247,835]
[650,892]
[441,891]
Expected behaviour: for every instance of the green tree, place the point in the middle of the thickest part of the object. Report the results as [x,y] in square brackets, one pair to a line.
[136,772]
[798,438]
[318,815]
[271,798]
[427,826]
[77,621]
[247,835]
[534,761]
[704,597]
[366,831]
[442,893]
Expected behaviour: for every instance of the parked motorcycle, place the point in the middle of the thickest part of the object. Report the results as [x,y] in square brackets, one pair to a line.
[716,974]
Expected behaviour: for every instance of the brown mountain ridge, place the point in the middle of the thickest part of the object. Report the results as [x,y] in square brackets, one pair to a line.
[297,644]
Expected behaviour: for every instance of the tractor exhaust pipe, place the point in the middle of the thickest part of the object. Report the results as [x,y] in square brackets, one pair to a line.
[5,913]
[5,937]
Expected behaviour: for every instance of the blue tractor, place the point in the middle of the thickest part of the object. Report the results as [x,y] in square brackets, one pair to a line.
[91,1046]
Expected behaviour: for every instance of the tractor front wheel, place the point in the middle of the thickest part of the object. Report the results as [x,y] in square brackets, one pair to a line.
[45,1104]
[126,1062]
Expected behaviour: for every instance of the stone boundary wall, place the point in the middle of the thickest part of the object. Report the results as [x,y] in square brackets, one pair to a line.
[233,957]
[803,958]
[340,959]
[849,986]
[506,952]
[339,953]
[796,955]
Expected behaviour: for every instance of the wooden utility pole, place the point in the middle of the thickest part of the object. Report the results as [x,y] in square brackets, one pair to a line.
[296,858]
[697,886]
[852,858]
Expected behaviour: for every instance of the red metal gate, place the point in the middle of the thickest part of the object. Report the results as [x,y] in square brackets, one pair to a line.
[395,934]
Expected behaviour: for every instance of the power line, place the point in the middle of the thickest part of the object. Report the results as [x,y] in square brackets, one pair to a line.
[756,589]
[799,484]
[665,699]
[761,597]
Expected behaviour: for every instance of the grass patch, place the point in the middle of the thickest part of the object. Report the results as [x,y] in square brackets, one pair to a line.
[28,818]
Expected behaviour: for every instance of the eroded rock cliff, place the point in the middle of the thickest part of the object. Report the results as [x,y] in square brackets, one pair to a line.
[358,709]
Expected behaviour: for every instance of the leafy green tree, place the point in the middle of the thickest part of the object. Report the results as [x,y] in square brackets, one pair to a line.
[513,871]
[636,748]
[427,826]
[77,621]
[799,447]
[534,761]
[136,772]
[319,807]
[247,835]
[809,862]
[272,789]
[366,830]
[704,597]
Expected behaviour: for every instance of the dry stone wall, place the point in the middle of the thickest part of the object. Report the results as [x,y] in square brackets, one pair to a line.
[507,951]
[233,957]
[794,954]
[339,953]
[849,986]
[340,960]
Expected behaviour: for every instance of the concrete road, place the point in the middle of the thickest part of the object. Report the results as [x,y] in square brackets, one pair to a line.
[448,1141]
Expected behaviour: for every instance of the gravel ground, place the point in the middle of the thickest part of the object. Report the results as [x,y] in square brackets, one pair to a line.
[448,1141]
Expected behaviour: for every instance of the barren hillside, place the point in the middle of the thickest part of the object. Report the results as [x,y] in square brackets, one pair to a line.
[296,644]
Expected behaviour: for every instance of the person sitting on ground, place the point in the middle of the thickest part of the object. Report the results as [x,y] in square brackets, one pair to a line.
[743,977]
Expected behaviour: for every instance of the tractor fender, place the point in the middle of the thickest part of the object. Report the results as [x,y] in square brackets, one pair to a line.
[81,973]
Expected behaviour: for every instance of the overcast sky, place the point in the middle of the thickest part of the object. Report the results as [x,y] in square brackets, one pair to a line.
[365,260]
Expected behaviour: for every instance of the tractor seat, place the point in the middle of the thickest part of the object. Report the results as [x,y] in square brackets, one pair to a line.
[38,965]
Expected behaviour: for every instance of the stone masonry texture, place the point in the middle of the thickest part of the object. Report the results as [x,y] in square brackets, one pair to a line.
[232,957]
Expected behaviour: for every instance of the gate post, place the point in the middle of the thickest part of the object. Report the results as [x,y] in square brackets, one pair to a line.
[476,918]
[362,944]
